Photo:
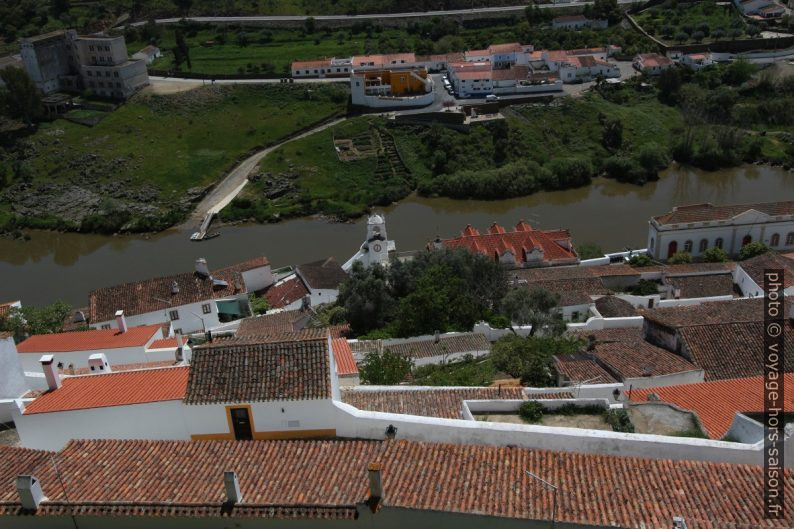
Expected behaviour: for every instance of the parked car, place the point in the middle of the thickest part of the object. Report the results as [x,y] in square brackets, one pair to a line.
[491,98]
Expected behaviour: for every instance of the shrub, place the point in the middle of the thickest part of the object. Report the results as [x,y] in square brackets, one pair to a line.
[752,249]
[259,305]
[715,255]
[621,168]
[619,421]
[589,250]
[652,157]
[531,411]
[644,288]
[680,258]
[571,172]
[640,260]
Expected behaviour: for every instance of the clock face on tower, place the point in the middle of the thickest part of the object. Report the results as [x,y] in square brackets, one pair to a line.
[376,247]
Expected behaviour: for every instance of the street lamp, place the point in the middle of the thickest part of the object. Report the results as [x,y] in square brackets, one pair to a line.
[554,497]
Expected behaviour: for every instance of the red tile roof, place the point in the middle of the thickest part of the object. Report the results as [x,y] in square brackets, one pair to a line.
[582,367]
[285,293]
[113,389]
[92,340]
[5,308]
[322,274]
[343,357]
[520,242]
[511,47]
[441,402]
[259,370]
[327,479]
[710,212]
[650,60]
[755,266]
[469,342]
[165,343]
[320,63]
[716,403]
[274,323]
[148,295]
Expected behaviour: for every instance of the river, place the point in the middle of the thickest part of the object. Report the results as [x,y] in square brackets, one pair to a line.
[66,266]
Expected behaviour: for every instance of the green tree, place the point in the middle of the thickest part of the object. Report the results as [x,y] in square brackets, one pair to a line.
[680,258]
[534,306]
[384,368]
[715,255]
[30,320]
[669,83]
[612,133]
[309,25]
[753,249]
[366,298]
[589,250]
[531,359]
[181,50]
[640,260]
[21,98]
[259,304]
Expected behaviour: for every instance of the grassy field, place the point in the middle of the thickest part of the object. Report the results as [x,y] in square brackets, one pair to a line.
[169,144]
[319,182]
[703,21]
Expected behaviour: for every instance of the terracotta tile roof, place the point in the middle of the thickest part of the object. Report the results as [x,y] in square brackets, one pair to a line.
[446,345]
[571,291]
[147,296]
[275,322]
[649,60]
[510,47]
[113,389]
[701,286]
[581,367]
[710,212]
[475,53]
[636,359]
[717,402]
[736,310]
[520,242]
[165,343]
[323,274]
[685,269]
[754,267]
[614,307]
[125,478]
[515,72]
[343,357]
[474,74]
[441,402]
[320,63]
[552,273]
[257,370]
[619,334]
[286,292]
[732,350]
[92,340]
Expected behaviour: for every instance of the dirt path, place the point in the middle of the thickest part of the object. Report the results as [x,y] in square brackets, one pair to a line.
[233,183]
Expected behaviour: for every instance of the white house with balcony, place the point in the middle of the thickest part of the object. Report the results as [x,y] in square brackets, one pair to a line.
[696,228]
[192,302]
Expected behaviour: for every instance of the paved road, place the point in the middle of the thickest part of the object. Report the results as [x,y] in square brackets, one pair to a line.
[371,16]
[199,82]
[235,181]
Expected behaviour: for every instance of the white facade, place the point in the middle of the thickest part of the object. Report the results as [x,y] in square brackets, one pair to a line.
[191,318]
[12,379]
[334,67]
[365,92]
[730,234]
[697,61]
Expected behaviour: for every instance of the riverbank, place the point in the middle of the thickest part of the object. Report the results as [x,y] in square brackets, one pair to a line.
[145,165]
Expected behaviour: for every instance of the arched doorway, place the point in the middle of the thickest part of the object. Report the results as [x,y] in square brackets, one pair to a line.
[672,248]
[747,240]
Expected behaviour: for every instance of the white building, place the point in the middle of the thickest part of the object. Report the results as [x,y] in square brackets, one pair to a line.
[377,248]
[697,61]
[192,302]
[749,274]
[471,79]
[148,54]
[322,279]
[760,8]
[73,350]
[12,379]
[333,67]
[236,388]
[391,88]
[652,63]
[573,67]
[696,228]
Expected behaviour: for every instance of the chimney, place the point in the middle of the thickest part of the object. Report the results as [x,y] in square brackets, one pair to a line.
[98,363]
[436,337]
[591,342]
[50,372]
[306,302]
[375,482]
[121,321]
[201,267]
[232,484]
[179,340]
[677,293]
[174,288]
[679,522]
[30,493]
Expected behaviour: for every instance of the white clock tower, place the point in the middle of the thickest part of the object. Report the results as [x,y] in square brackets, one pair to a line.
[375,250]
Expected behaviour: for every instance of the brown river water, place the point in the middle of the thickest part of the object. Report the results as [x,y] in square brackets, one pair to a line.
[66,266]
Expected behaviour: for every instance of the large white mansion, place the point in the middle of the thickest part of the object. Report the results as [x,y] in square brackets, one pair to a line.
[698,227]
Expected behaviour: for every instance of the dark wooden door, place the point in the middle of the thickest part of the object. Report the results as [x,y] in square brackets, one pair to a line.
[241,423]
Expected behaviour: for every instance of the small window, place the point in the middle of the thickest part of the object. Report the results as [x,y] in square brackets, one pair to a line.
[115,74]
[206,309]
[703,245]
[178,331]
[790,239]
[107,74]
[174,315]
[106,326]
[774,240]
[688,246]
[718,242]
